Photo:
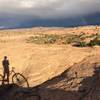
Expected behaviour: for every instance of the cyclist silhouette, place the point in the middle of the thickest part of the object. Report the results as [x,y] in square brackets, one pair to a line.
[5,64]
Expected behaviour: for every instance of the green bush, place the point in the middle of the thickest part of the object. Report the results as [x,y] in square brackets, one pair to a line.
[94,42]
[36,40]
[75,40]
[43,39]
[72,38]
[51,39]
[80,44]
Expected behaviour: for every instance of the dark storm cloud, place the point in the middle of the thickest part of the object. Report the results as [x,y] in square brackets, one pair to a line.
[18,11]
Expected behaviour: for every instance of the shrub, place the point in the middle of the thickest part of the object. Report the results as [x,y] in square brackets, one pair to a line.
[71,39]
[75,40]
[94,42]
[43,39]
[51,39]
[80,44]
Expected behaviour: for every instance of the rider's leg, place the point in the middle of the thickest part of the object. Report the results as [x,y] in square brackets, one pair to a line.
[4,74]
[8,77]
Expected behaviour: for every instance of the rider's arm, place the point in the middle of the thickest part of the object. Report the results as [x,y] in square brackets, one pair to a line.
[8,62]
[2,63]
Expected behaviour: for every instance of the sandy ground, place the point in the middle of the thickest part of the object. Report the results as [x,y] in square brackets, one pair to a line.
[39,63]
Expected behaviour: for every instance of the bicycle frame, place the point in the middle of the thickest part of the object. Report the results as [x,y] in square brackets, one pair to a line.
[12,71]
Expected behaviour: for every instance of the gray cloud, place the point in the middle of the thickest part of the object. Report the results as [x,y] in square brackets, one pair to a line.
[47,9]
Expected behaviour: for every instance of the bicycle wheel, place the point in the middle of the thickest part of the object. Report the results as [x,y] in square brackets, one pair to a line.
[19,80]
[1,79]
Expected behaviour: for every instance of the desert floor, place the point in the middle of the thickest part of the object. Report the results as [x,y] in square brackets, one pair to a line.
[39,63]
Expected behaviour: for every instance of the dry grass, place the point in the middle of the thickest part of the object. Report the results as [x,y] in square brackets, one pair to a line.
[75,40]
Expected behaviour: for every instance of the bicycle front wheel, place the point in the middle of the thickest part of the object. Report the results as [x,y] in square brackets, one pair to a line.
[20,80]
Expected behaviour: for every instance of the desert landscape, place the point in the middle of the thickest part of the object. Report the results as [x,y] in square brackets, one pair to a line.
[48,57]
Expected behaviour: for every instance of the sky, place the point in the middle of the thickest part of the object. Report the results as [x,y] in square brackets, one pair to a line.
[30,13]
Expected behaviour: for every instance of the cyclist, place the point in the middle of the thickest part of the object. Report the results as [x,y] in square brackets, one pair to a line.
[5,64]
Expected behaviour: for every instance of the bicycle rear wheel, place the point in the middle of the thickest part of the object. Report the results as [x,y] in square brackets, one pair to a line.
[19,80]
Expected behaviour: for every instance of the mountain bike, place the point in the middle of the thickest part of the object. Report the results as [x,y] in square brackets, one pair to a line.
[17,78]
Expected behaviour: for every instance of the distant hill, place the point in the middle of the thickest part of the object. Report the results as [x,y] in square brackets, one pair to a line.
[91,19]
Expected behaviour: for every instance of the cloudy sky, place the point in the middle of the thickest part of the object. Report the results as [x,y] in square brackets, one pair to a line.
[28,13]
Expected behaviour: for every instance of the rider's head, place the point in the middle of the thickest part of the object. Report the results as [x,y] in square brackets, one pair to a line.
[5,57]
